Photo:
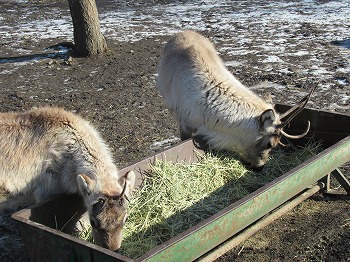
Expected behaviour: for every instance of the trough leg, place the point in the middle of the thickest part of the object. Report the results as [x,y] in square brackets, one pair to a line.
[343,181]
[326,180]
[340,177]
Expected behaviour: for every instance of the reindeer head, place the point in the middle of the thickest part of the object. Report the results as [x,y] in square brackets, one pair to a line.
[107,212]
[271,129]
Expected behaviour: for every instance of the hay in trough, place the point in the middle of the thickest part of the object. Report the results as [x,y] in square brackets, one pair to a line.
[177,196]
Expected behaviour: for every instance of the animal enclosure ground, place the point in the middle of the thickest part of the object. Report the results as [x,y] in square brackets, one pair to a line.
[292,47]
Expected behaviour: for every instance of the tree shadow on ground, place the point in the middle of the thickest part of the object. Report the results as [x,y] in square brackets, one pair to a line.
[58,51]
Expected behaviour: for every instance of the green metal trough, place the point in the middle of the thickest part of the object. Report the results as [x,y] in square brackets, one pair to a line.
[217,234]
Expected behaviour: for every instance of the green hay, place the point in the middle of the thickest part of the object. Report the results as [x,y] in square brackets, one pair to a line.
[86,234]
[177,196]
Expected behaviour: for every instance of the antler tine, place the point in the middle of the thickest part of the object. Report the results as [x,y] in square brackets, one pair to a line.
[299,103]
[279,142]
[297,136]
[290,118]
[296,112]
[294,107]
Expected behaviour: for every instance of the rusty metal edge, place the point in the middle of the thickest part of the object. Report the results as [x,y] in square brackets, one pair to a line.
[156,253]
[184,151]
[19,216]
[261,223]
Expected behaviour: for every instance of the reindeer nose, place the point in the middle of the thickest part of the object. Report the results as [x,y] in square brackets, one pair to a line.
[258,168]
[115,247]
[94,223]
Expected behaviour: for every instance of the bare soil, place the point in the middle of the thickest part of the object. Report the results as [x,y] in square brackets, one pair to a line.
[116,92]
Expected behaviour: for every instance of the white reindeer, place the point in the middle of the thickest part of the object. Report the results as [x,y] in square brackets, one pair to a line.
[213,106]
[49,151]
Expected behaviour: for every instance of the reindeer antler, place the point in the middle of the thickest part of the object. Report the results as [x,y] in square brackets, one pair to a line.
[296,109]
[297,136]
[293,112]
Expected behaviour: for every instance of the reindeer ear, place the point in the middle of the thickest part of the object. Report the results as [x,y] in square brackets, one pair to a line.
[85,184]
[267,118]
[129,179]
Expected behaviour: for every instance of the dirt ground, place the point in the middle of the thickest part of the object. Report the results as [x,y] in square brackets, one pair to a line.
[116,92]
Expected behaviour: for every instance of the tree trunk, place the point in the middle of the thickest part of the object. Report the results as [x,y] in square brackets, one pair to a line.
[88,38]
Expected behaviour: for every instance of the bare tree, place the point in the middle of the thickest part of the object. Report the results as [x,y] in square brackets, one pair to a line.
[88,38]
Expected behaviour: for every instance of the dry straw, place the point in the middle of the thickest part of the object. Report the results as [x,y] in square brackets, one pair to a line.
[177,196]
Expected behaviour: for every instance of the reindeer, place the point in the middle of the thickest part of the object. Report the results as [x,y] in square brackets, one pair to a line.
[49,151]
[212,106]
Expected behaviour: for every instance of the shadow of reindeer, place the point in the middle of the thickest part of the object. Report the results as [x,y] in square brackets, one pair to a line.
[60,212]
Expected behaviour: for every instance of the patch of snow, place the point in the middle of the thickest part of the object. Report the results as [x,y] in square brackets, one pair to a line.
[342,81]
[232,63]
[300,53]
[272,59]
[166,143]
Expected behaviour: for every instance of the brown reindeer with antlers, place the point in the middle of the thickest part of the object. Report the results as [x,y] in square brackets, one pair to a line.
[49,151]
[213,106]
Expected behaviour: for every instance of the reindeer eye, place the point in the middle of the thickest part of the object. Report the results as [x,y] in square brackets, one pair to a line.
[269,145]
[121,201]
[99,204]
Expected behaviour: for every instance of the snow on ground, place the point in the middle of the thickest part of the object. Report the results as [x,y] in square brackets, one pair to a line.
[166,143]
[283,37]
